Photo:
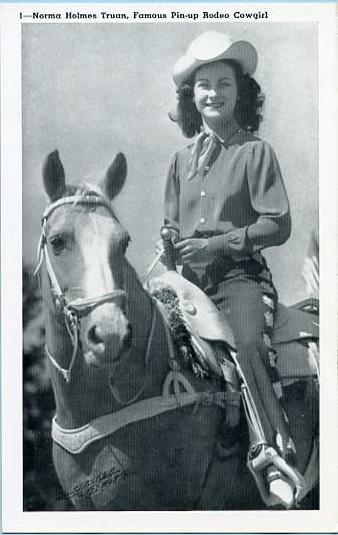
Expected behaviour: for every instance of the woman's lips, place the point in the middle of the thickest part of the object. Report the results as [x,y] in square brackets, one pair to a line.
[214,104]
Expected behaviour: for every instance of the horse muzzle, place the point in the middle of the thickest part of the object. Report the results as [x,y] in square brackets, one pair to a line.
[107,334]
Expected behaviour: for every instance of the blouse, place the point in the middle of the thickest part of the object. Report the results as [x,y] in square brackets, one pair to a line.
[240,187]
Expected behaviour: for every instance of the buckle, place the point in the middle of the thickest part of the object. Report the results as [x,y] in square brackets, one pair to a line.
[258,457]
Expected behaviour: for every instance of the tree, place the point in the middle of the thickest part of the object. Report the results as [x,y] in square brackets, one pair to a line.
[41,491]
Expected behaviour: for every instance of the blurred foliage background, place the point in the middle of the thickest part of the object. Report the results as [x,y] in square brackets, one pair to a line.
[41,489]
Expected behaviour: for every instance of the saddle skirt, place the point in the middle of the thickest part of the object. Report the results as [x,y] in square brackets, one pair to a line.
[293,329]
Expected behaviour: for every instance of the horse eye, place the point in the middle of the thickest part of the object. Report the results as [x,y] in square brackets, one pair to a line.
[58,243]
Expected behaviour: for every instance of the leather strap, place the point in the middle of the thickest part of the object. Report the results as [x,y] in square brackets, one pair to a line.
[77,440]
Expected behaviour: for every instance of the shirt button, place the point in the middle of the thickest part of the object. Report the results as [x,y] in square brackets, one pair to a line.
[203,194]
[202,220]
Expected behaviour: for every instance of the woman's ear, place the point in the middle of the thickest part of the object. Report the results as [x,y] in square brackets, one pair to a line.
[54,176]
[115,176]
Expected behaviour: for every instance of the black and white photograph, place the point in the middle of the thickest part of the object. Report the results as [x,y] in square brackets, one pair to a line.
[176,182]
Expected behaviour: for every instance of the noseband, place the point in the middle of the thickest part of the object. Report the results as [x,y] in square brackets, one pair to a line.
[80,307]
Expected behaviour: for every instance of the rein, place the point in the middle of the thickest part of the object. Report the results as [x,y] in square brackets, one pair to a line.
[80,307]
[146,360]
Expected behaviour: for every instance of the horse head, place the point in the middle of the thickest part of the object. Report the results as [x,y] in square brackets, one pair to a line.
[83,245]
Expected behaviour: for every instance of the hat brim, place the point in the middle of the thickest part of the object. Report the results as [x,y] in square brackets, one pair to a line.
[242,52]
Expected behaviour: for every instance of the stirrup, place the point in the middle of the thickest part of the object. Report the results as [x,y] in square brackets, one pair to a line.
[268,456]
[279,488]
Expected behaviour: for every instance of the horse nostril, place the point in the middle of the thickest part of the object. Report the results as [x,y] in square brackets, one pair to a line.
[94,335]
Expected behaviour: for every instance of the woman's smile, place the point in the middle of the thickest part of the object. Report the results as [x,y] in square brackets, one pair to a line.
[214,104]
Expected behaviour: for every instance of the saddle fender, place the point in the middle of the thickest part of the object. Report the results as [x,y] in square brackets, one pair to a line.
[292,331]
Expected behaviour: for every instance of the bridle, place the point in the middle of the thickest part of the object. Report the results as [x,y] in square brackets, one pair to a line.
[75,309]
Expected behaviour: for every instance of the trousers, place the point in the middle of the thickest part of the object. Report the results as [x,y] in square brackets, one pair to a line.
[246,297]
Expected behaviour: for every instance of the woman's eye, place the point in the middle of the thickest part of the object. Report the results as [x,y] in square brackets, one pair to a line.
[202,84]
[58,243]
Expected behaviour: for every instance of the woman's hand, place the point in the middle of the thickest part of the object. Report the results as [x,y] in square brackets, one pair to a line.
[233,243]
[159,248]
[192,249]
[235,240]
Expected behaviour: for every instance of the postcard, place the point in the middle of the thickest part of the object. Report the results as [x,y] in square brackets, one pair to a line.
[168,237]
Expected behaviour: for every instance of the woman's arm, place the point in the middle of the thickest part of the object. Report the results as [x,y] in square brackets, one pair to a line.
[268,198]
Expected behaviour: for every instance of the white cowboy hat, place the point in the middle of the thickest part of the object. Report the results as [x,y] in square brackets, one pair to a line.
[212,46]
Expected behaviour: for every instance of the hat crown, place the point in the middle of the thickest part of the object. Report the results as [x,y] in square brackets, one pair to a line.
[209,45]
[214,46]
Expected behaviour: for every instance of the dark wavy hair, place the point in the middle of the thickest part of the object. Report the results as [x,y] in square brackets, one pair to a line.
[250,100]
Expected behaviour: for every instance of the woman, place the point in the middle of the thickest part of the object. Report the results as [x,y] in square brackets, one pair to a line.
[225,201]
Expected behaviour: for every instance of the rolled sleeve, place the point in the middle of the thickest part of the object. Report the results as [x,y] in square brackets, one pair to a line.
[268,199]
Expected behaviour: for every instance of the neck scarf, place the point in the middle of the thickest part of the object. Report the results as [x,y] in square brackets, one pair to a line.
[204,146]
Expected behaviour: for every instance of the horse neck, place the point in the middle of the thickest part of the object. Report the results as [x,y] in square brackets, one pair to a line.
[140,308]
[149,354]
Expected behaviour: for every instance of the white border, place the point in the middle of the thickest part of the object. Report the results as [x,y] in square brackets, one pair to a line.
[14,520]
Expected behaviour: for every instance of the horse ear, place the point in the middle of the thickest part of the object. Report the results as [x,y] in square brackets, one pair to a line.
[54,176]
[115,176]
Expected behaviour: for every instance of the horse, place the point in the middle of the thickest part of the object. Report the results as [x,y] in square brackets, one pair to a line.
[135,427]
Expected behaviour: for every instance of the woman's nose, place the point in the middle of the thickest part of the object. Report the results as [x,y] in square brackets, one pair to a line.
[212,92]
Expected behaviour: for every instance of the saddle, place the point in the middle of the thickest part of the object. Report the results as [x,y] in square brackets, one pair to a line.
[294,330]
[296,341]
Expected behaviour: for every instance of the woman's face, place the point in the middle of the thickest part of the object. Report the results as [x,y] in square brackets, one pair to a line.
[215,93]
